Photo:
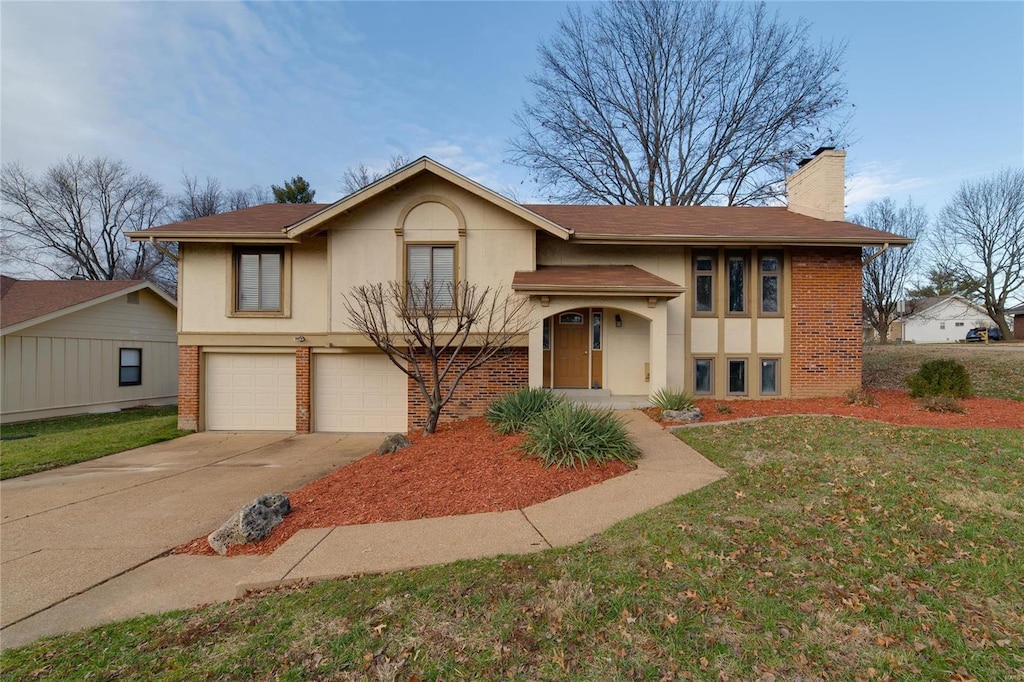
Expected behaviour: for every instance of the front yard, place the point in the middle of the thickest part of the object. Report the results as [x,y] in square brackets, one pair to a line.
[997,371]
[835,549]
[69,440]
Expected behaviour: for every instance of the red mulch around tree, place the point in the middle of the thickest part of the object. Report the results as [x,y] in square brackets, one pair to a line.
[894,407]
[464,468]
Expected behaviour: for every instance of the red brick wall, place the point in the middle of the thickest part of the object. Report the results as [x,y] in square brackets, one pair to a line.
[302,399]
[826,345]
[188,387]
[476,390]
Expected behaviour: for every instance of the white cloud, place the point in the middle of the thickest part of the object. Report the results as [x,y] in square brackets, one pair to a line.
[876,180]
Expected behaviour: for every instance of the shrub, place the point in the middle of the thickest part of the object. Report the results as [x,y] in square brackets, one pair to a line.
[860,397]
[940,377]
[573,435]
[941,403]
[672,399]
[513,411]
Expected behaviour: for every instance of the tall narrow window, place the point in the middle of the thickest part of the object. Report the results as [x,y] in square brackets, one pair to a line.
[431,268]
[546,330]
[769,376]
[703,375]
[704,283]
[737,377]
[129,371]
[258,280]
[595,323]
[771,267]
[737,284]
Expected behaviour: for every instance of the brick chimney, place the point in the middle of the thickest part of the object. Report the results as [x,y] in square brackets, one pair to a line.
[817,187]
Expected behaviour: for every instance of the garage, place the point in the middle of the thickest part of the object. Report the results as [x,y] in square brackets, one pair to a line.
[358,392]
[250,392]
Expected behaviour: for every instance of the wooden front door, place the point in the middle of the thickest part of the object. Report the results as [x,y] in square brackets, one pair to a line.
[572,349]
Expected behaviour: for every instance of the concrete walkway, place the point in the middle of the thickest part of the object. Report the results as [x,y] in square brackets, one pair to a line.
[667,469]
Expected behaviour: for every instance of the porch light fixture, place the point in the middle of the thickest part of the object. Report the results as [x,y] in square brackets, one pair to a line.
[300,339]
[618,320]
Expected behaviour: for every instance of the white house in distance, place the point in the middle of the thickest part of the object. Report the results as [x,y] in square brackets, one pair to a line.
[942,319]
[77,346]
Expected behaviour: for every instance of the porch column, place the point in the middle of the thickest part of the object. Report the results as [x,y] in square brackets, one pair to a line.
[659,347]
[536,349]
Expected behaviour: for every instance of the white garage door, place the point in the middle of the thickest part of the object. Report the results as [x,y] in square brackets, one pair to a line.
[358,393]
[250,392]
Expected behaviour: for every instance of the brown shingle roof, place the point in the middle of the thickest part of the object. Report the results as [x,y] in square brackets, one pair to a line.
[266,219]
[623,278]
[706,224]
[24,300]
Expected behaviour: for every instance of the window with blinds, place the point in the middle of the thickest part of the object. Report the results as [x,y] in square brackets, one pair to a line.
[258,277]
[430,272]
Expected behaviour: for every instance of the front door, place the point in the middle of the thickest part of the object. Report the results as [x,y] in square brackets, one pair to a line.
[572,349]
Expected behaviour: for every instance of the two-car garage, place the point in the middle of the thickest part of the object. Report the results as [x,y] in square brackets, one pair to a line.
[351,392]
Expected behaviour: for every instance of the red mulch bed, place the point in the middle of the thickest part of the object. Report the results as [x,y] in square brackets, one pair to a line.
[894,407]
[464,468]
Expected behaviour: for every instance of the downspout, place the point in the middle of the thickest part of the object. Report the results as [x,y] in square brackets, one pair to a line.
[163,249]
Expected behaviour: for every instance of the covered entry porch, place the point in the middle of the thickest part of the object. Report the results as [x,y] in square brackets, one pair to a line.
[601,333]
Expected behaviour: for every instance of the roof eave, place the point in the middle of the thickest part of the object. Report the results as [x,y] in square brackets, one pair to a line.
[346,204]
[214,237]
[604,290]
[684,240]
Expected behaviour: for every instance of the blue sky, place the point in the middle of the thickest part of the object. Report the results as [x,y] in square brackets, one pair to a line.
[256,93]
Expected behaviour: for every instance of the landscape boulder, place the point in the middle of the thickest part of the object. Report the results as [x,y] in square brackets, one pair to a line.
[691,415]
[251,523]
[393,443]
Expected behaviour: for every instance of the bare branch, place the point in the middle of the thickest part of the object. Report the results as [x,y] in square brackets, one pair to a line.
[437,334]
[682,103]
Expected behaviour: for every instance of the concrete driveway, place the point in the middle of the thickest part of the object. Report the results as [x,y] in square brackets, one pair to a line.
[66,533]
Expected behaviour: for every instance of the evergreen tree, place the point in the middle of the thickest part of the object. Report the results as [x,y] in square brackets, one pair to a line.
[295,191]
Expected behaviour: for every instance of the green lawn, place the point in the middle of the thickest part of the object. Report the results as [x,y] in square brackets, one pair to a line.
[996,371]
[835,549]
[58,442]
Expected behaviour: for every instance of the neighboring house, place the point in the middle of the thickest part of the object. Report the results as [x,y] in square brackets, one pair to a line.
[720,301]
[76,346]
[942,319]
[1017,316]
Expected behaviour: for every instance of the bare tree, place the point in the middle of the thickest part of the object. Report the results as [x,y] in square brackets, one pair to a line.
[358,177]
[677,103]
[980,233]
[71,220]
[437,334]
[886,272]
[201,199]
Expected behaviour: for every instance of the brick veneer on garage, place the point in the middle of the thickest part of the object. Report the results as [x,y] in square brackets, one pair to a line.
[476,390]
[826,346]
[188,387]
[302,398]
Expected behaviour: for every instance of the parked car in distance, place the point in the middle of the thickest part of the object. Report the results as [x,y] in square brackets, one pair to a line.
[993,334]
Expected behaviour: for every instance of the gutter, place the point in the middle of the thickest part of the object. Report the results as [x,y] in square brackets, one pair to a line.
[162,249]
[885,247]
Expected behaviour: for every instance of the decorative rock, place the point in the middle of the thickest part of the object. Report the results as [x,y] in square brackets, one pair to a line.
[251,523]
[691,415]
[393,443]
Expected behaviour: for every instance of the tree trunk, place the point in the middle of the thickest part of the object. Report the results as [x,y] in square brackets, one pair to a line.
[433,414]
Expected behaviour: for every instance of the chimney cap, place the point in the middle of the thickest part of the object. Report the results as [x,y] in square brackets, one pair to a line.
[803,162]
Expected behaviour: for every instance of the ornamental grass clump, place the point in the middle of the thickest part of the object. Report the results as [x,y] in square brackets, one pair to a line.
[672,399]
[513,411]
[940,377]
[941,403]
[573,435]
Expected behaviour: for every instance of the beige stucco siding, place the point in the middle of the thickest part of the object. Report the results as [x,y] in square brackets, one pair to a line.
[70,364]
[628,353]
[368,245]
[207,291]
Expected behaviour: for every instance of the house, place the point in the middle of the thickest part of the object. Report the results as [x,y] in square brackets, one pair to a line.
[76,346]
[942,319]
[1017,315]
[721,301]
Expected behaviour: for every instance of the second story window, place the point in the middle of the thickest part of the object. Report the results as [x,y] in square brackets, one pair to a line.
[704,283]
[431,268]
[737,268]
[258,279]
[771,268]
